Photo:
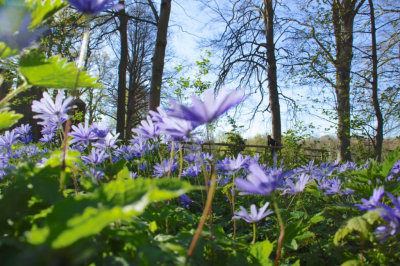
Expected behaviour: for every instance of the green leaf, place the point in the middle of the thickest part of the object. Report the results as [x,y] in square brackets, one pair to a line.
[42,10]
[8,118]
[313,189]
[351,263]
[261,251]
[124,174]
[317,218]
[358,223]
[83,216]
[6,51]
[53,72]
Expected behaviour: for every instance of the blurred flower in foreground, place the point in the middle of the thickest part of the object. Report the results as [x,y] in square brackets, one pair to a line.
[14,32]
[205,112]
[94,7]
[254,216]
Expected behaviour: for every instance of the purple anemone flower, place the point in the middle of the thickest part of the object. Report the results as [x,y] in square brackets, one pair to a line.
[161,169]
[299,187]
[100,129]
[205,112]
[254,216]
[186,202]
[132,175]
[82,135]
[191,157]
[95,157]
[49,110]
[109,142]
[9,139]
[148,130]
[47,138]
[23,129]
[334,187]
[257,182]
[192,171]
[94,7]
[177,129]
[373,201]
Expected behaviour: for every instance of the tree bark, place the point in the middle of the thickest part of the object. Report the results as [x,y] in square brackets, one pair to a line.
[343,14]
[378,113]
[121,102]
[268,18]
[159,55]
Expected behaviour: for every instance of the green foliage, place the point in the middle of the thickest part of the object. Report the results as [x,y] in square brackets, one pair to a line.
[53,72]
[261,251]
[42,10]
[6,51]
[8,119]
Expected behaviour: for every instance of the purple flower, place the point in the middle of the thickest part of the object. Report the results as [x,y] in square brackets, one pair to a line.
[161,169]
[100,129]
[148,130]
[95,157]
[94,174]
[191,157]
[47,138]
[18,37]
[94,7]
[373,201]
[205,112]
[78,148]
[49,110]
[334,187]
[132,175]
[25,139]
[192,171]
[186,202]
[30,150]
[324,170]
[142,166]
[177,129]
[109,142]
[392,216]
[254,216]
[232,164]
[257,182]
[23,129]
[82,135]
[9,139]
[299,187]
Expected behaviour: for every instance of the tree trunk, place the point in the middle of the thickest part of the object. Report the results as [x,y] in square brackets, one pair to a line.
[159,55]
[121,102]
[268,18]
[378,113]
[343,20]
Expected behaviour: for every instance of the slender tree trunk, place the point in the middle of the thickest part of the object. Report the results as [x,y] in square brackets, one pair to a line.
[159,55]
[343,13]
[272,78]
[378,113]
[121,102]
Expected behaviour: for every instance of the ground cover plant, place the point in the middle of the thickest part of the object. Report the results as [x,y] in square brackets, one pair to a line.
[80,196]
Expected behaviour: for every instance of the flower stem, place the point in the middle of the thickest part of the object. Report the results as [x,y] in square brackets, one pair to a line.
[13,93]
[181,161]
[233,205]
[206,211]
[171,158]
[254,234]
[281,236]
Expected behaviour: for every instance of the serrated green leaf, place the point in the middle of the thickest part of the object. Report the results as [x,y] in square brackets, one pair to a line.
[262,251]
[8,118]
[372,216]
[313,189]
[42,10]
[6,51]
[358,223]
[54,72]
